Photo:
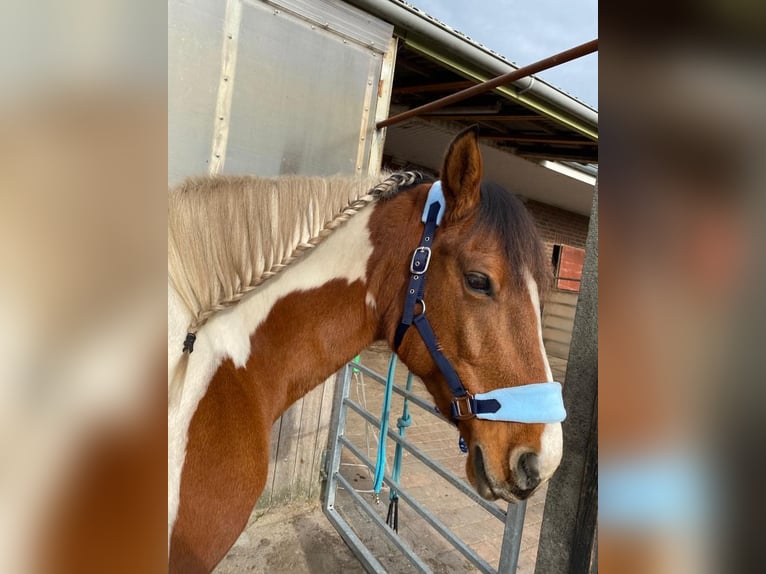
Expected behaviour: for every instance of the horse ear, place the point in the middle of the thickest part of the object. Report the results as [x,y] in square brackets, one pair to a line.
[461,174]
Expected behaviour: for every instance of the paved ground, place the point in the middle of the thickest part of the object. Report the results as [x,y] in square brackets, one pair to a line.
[298,538]
[290,540]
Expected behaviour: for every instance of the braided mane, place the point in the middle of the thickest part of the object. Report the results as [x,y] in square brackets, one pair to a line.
[229,234]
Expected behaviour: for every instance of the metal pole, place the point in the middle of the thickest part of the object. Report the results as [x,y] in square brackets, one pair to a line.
[550,62]
[511,548]
[337,429]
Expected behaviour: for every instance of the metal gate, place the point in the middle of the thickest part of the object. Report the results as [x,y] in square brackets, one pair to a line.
[344,503]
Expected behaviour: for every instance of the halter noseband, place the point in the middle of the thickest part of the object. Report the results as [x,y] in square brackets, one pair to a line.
[532,403]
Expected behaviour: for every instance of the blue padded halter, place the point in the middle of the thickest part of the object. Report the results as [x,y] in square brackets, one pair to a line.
[534,403]
[435,195]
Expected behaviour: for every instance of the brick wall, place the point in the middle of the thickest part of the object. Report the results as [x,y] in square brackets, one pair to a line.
[558,226]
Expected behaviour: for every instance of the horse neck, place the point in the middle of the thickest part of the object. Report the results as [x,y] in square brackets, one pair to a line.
[321,311]
[307,322]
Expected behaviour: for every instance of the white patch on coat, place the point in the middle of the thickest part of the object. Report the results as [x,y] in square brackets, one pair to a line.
[370,300]
[551,441]
[534,294]
[343,255]
[551,449]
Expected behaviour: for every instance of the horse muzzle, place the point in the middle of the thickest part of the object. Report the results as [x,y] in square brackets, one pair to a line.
[524,478]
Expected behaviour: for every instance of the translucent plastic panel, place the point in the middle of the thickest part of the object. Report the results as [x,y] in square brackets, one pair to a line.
[195,34]
[299,98]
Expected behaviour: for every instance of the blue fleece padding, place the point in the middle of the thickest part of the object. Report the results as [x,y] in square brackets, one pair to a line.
[435,195]
[675,489]
[535,403]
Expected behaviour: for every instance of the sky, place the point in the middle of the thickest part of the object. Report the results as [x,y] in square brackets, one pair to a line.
[527,31]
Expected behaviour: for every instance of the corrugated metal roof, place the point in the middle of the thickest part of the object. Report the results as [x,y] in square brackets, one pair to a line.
[529,118]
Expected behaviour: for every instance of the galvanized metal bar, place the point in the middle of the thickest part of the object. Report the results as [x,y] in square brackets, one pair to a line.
[455,481]
[368,371]
[335,479]
[338,423]
[337,428]
[426,406]
[403,547]
[511,548]
[433,520]
[550,62]
[362,553]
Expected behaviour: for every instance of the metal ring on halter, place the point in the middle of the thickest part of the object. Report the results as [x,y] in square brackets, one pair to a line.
[461,408]
[423,305]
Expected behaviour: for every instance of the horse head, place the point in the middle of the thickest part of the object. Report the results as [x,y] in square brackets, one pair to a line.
[485,275]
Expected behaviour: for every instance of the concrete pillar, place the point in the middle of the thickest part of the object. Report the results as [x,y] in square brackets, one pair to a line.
[569,519]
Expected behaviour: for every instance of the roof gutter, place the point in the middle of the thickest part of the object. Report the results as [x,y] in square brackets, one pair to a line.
[431,36]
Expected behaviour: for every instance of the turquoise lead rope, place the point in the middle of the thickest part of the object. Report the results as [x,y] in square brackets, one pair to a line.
[380,465]
[402,423]
[392,518]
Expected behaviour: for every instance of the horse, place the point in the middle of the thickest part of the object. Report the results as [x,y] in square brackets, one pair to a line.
[334,273]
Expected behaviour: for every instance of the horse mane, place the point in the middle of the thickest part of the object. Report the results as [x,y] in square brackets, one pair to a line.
[229,234]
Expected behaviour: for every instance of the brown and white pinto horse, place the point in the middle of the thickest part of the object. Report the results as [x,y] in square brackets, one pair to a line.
[252,361]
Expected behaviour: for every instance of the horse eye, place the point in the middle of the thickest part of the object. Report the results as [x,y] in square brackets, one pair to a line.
[478,282]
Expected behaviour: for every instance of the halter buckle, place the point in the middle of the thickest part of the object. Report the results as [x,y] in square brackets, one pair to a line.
[421,257]
[461,408]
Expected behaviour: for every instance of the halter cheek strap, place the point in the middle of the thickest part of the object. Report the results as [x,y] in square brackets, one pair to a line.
[421,258]
[534,403]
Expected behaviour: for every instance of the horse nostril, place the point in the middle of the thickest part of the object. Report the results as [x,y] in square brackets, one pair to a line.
[478,463]
[528,471]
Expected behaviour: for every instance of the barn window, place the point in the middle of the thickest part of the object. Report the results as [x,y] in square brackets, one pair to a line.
[567,267]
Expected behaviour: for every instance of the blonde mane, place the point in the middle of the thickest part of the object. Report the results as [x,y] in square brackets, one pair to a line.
[229,234]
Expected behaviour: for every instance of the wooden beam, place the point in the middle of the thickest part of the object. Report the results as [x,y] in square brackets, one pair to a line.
[487,117]
[558,156]
[425,88]
[539,139]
